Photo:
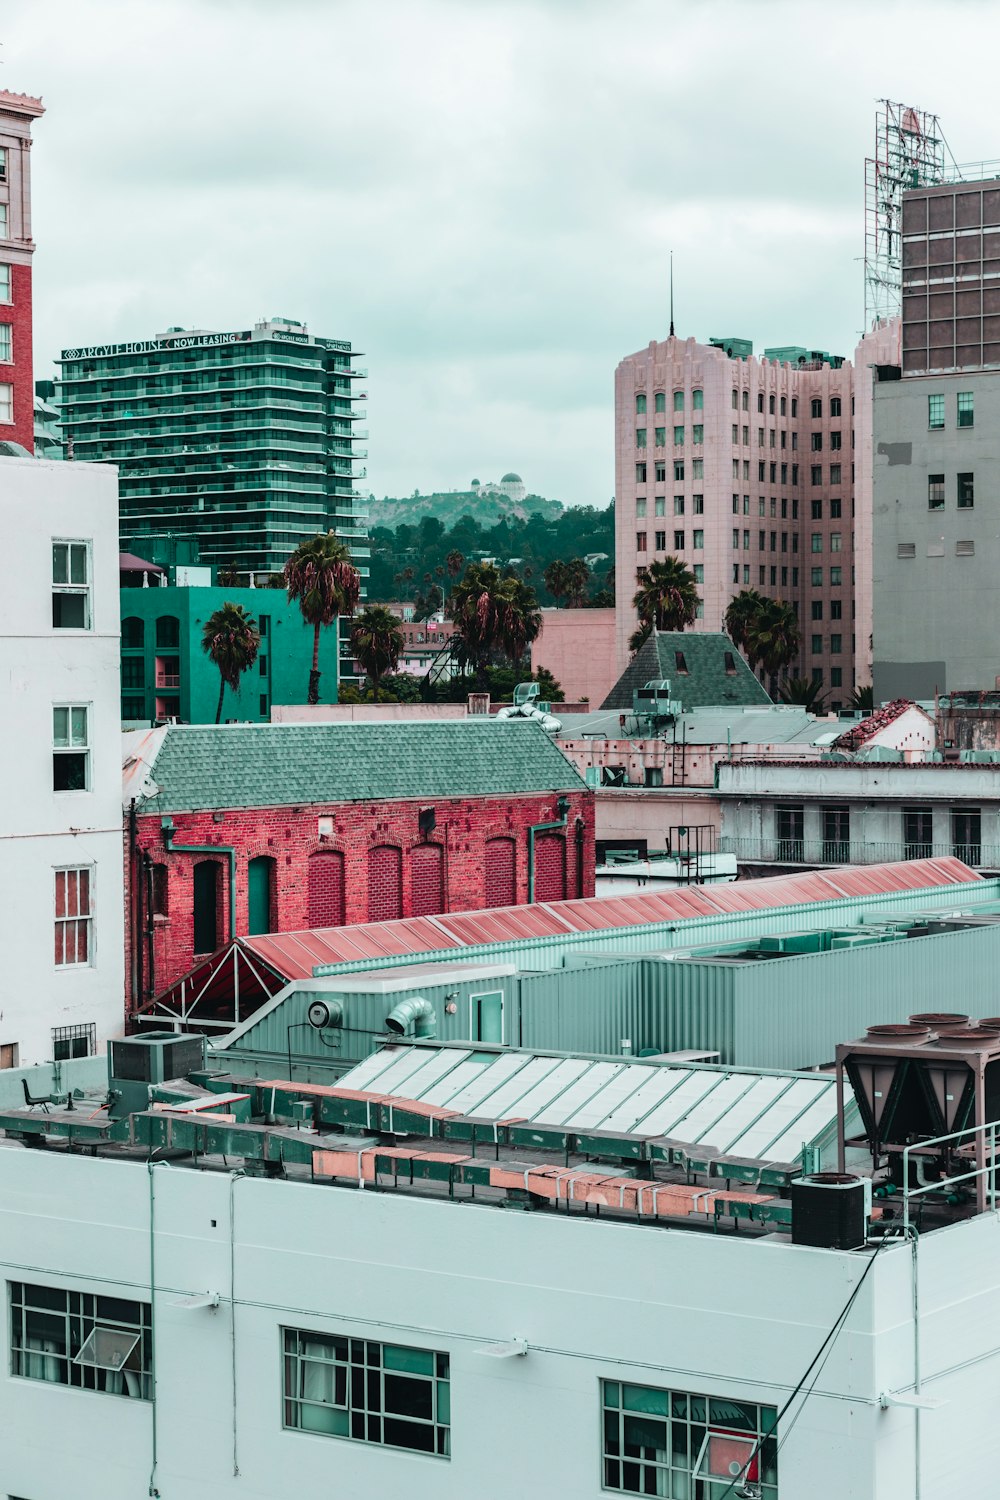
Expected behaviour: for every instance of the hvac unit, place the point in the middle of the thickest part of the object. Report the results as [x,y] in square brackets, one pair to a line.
[139,1061]
[830,1210]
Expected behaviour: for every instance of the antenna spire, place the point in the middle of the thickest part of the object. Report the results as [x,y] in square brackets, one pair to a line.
[671,294]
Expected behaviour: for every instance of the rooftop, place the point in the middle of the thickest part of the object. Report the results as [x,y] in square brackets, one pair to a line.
[704,669]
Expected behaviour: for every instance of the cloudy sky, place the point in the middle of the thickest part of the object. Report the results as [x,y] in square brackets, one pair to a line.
[480,194]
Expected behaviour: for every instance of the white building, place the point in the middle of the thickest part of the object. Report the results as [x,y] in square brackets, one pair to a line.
[192,1332]
[62,937]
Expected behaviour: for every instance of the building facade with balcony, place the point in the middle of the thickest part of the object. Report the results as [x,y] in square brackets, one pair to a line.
[247,440]
[747,469]
[858,812]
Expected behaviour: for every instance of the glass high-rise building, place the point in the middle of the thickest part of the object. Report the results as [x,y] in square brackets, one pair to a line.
[244,440]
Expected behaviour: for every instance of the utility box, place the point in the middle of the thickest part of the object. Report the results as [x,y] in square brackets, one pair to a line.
[830,1210]
[138,1061]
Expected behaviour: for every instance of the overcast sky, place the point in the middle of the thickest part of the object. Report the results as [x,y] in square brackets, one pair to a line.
[480,194]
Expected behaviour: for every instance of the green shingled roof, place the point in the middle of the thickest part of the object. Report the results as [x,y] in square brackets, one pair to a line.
[202,767]
[706,684]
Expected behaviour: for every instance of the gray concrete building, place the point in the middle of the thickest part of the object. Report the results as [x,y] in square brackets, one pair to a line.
[936,544]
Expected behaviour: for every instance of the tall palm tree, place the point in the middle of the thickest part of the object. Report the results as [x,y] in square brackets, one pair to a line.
[377,641]
[739,621]
[667,596]
[492,614]
[773,636]
[321,576]
[231,638]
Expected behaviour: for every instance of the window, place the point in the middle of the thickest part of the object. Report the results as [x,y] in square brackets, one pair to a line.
[80,1339]
[935,492]
[661,472]
[640,404]
[661,436]
[816,474]
[770,405]
[918,832]
[795,406]
[835,471]
[4,282]
[659,1442]
[678,541]
[760,437]
[6,403]
[3,164]
[746,437]
[835,440]
[9,1052]
[835,541]
[817,578]
[388,1394]
[746,400]
[746,541]
[816,442]
[678,400]
[836,833]
[698,505]
[736,433]
[817,645]
[699,568]
[678,437]
[133,633]
[736,400]
[736,572]
[678,505]
[935,412]
[3,221]
[784,405]
[966,491]
[640,473]
[816,542]
[836,609]
[815,407]
[680,662]
[698,468]
[836,645]
[817,609]
[789,826]
[640,510]
[760,401]
[699,541]
[73,1041]
[966,409]
[836,680]
[660,401]
[836,576]
[816,507]
[762,471]
[817,676]
[698,434]
[73,917]
[660,505]
[640,437]
[698,400]
[835,406]
[6,347]
[70,748]
[736,539]
[835,510]
[653,776]
[640,541]
[70,585]
[661,541]
[746,572]
[966,834]
[795,471]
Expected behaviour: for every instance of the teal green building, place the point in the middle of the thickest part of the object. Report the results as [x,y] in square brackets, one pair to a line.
[246,441]
[166,674]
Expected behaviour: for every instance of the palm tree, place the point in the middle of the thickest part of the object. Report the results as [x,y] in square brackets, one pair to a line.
[231,638]
[321,576]
[377,641]
[454,562]
[804,692]
[492,614]
[740,620]
[773,636]
[568,580]
[863,699]
[667,596]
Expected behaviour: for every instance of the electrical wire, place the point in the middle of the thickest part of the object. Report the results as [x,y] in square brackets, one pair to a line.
[819,1359]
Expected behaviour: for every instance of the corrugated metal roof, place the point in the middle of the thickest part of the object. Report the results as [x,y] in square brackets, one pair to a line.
[737,1111]
[297,954]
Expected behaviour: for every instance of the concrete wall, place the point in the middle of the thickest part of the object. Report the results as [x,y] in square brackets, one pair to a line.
[936,613]
[722,1316]
[578,647]
[649,814]
[41,830]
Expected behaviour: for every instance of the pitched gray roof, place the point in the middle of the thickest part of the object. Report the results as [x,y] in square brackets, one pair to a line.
[707,682]
[200,766]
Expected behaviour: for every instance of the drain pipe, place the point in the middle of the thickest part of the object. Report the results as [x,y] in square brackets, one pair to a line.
[167,827]
[579,858]
[562,808]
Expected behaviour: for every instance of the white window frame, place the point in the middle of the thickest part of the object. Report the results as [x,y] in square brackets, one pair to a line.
[72,745]
[68,587]
[6,403]
[4,222]
[7,346]
[68,921]
[6,283]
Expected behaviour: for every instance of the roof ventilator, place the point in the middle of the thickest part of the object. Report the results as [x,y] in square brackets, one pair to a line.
[417,1012]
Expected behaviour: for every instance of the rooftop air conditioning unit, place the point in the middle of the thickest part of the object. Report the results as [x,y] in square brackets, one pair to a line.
[136,1062]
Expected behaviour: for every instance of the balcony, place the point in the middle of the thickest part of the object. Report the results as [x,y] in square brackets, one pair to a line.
[836,851]
[167,680]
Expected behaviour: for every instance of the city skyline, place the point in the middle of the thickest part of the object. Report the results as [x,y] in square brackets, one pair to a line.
[491,229]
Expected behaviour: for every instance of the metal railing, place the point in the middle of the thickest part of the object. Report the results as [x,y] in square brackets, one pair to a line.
[986,1173]
[838,851]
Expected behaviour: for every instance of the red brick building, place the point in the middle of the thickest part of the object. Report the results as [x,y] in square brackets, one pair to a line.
[17,389]
[243,829]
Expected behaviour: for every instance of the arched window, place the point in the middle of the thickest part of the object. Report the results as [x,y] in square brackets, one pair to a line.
[133,633]
[550,867]
[260,895]
[168,633]
[385,883]
[327,906]
[501,873]
[426,880]
[206,905]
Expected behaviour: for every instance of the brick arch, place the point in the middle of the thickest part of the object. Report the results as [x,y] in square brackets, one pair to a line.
[326,890]
[426,880]
[550,867]
[500,866]
[385,882]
